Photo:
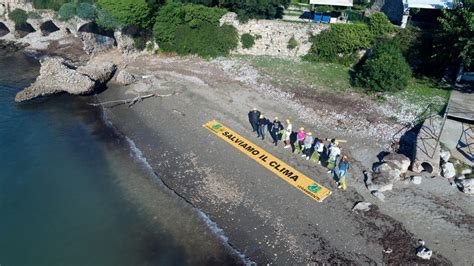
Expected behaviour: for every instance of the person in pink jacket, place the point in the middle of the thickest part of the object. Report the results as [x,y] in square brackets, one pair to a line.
[300,136]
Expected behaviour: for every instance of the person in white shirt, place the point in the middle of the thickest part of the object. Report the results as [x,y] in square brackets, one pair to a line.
[288,132]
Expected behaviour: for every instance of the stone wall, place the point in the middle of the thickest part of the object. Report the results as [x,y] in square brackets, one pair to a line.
[273,36]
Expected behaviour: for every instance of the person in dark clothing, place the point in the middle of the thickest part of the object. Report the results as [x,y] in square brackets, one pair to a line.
[254,114]
[261,123]
[276,127]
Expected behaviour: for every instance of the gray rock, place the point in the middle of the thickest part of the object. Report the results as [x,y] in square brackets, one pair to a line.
[379,195]
[416,179]
[125,78]
[56,77]
[466,171]
[445,155]
[398,161]
[98,72]
[422,251]
[448,170]
[386,187]
[467,185]
[362,206]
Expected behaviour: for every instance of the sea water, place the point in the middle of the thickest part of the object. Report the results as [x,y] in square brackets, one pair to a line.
[74,192]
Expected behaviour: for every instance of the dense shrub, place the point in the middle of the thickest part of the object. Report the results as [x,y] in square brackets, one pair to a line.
[247,40]
[245,9]
[86,11]
[385,69]
[56,4]
[339,43]
[207,40]
[379,24]
[107,21]
[188,29]
[128,12]
[33,15]
[67,11]
[292,43]
[18,16]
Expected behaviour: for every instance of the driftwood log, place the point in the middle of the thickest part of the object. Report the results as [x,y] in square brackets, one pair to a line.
[130,102]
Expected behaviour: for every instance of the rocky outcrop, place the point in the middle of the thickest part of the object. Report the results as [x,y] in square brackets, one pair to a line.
[99,73]
[125,78]
[57,76]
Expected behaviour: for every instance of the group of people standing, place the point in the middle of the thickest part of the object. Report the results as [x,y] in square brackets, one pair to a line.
[303,142]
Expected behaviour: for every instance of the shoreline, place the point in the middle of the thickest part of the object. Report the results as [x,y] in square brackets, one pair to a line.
[138,154]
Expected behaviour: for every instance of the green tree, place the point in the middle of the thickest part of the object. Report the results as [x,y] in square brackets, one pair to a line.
[86,11]
[128,12]
[18,16]
[67,11]
[456,42]
[385,69]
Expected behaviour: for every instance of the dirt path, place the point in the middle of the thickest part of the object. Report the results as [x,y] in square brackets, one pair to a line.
[264,217]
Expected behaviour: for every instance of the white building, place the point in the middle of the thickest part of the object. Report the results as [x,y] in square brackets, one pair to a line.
[332,2]
[425,4]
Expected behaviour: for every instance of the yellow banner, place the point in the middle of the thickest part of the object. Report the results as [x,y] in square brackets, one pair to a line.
[281,169]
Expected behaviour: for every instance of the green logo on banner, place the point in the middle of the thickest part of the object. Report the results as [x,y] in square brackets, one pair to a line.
[314,188]
[216,126]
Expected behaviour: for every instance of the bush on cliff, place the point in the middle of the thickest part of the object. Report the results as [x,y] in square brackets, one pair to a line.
[67,11]
[245,9]
[193,29]
[18,16]
[56,4]
[86,11]
[339,43]
[207,40]
[128,12]
[385,69]
[107,21]
[379,24]
[247,40]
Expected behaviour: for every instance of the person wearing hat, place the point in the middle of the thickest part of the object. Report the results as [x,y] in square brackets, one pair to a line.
[342,172]
[254,114]
[261,123]
[308,144]
[275,128]
[288,132]
[300,137]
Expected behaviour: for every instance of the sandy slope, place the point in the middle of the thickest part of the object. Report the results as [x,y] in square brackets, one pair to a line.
[264,217]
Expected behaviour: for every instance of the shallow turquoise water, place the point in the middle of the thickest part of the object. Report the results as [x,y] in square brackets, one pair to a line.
[72,194]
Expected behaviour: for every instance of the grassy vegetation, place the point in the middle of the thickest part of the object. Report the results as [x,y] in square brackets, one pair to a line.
[423,92]
[322,76]
[331,77]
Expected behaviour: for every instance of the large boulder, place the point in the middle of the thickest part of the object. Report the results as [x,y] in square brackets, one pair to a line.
[398,160]
[466,185]
[125,78]
[98,72]
[448,170]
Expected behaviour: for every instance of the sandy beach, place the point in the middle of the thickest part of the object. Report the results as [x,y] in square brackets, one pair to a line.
[265,218]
